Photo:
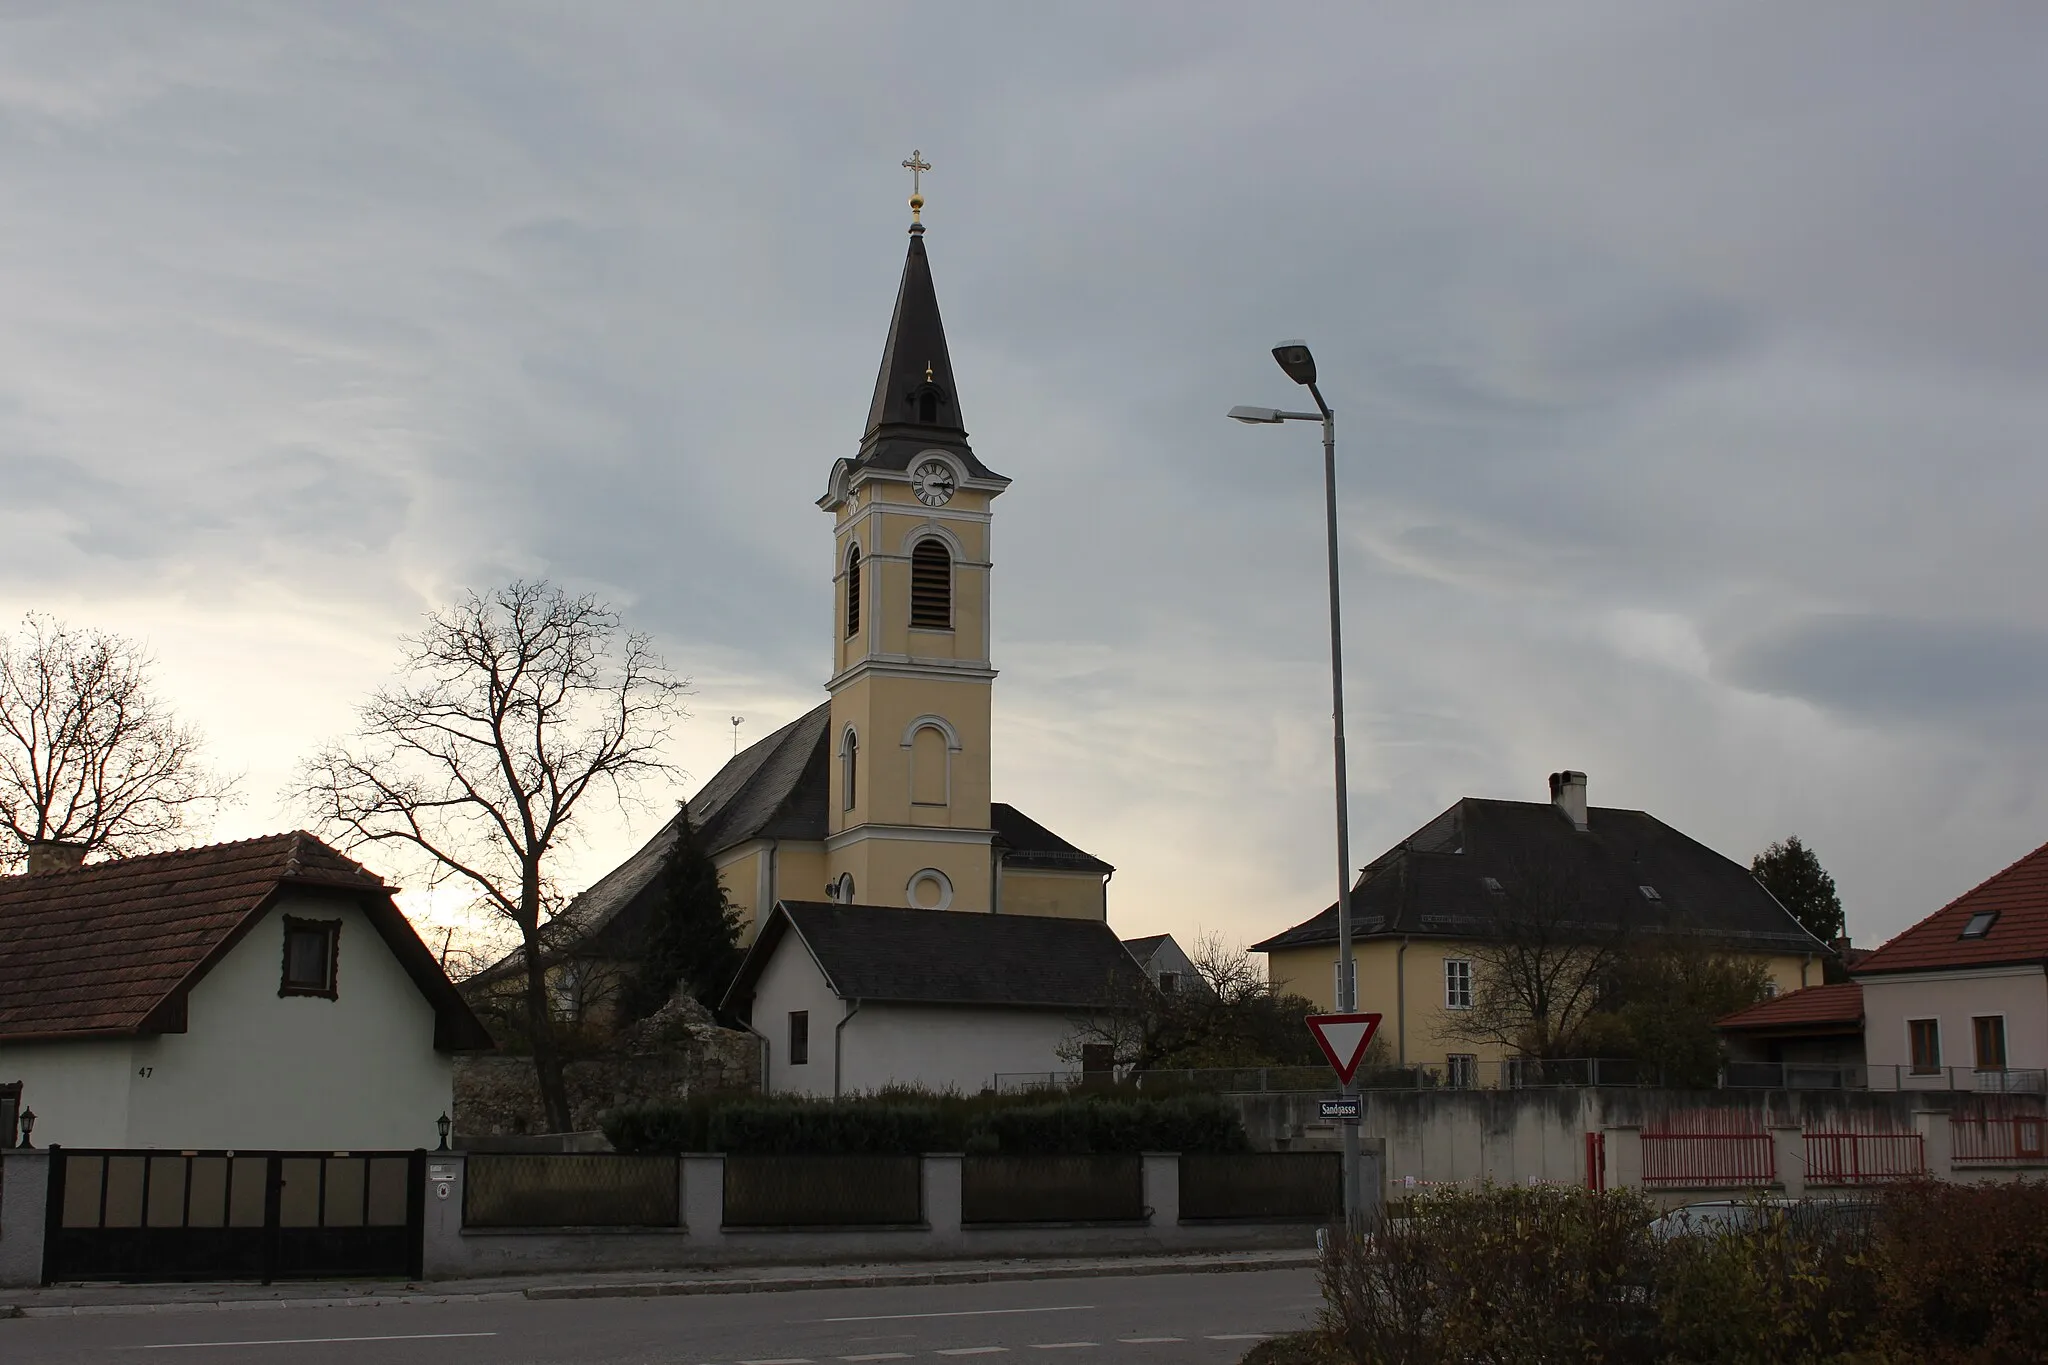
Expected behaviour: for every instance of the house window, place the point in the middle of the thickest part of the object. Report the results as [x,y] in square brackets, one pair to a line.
[849,768]
[312,956]
[1990,1031]
[1493,886]
[1650,893]
[1979,924]
[1925,1036]
[1169,982]
[799,1037]
[853,592]
[1098,1059]
[1457,983]
[931,586]
[1461,1070]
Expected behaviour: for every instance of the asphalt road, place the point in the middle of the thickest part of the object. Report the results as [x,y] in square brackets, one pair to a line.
[1168,1319]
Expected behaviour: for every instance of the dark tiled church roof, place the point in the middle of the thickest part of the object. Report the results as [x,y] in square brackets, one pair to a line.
[1435,882]
[112,949]
[948,957]
[775,788]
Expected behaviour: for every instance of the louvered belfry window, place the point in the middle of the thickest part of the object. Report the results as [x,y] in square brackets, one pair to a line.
[931,586]
[853,591]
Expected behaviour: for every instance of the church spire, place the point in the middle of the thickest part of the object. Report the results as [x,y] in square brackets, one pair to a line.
[915,386]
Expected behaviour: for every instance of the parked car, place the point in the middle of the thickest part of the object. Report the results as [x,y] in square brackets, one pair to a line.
[1718,1217]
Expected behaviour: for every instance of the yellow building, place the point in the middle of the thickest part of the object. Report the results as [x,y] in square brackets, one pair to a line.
[880,795]
[1431,915]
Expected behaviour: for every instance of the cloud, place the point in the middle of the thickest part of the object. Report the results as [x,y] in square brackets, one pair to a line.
[1688,365]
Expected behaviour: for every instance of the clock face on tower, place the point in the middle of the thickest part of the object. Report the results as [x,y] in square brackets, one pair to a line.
[933,483]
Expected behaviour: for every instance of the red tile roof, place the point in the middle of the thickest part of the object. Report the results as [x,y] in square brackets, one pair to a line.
[113,948]
[2018,896]
[1810,1007]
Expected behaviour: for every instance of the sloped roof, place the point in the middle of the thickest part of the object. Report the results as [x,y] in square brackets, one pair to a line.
[112,949]
[2017,897]
[1143,948]
[1809,1008]
[949,957]
[778,787]
[775,788]
[1433,883]
[1028,844]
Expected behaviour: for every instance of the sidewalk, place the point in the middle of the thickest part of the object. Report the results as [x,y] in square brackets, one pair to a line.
[71,1300]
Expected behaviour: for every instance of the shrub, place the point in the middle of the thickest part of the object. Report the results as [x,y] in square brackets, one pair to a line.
[904,1122]
[1964,1271]
[1785,1288]
[1497,1274]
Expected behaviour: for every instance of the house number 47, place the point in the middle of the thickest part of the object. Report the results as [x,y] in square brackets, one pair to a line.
[145,1071]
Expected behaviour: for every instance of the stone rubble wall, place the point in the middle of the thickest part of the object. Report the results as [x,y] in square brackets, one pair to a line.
[496,1096]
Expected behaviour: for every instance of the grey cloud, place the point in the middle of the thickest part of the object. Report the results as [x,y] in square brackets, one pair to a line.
[1892,668]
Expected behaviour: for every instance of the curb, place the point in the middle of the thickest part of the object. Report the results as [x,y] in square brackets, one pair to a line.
[678,1288]
[661,1289]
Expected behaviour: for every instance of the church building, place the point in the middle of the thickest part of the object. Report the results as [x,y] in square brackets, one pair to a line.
[879,797]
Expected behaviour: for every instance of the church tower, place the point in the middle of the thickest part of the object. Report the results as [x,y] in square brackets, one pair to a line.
[908,819]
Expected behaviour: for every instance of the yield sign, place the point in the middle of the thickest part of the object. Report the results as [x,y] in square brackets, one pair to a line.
[1344,1039]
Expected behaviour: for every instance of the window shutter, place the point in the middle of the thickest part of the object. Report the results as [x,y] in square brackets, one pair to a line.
[931,586]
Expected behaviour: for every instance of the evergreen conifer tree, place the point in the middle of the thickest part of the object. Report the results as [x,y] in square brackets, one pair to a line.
[693,937]
[1789,871]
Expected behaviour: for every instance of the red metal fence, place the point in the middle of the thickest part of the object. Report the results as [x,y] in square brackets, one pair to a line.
[1999,1141]
[1708,1160]
[1836,1158]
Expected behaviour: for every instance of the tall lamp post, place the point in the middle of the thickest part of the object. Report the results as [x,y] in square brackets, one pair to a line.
[1299,363]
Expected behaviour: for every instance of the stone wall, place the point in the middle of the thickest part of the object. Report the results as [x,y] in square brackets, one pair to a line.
[670,1056]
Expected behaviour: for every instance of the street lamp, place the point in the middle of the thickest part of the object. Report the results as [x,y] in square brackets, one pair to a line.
[1299,364]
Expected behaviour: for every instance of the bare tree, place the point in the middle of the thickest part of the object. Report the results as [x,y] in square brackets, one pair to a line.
[1236,1021]
[514,708]
[88,755]
[1546,966]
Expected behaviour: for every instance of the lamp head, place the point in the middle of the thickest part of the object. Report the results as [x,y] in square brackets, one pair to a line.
[1297,360]
[442,1125]
[28,1126]
[1254,416]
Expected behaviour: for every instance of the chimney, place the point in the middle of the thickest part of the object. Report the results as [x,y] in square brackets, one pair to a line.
[50,855]
[1568,794]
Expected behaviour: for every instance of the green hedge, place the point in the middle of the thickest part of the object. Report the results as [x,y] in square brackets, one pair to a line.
[902,1124]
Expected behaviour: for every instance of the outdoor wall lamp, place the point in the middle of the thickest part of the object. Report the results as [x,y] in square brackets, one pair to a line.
[28,1125]
[441,1126]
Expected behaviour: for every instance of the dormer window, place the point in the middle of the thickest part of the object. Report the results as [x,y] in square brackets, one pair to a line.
[1979,925]
[1650,893]
[1493,886]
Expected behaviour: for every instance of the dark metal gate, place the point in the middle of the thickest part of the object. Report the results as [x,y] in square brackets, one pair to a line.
[152,1215]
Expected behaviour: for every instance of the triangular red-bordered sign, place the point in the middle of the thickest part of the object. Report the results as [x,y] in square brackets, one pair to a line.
[1344,1039]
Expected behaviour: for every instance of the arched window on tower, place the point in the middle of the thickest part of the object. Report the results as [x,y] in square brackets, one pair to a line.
[853,592]
[928,407]
[931,762]
[849,769]
[931,586]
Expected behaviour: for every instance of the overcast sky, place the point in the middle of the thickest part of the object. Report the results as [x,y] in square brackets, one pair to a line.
[1692,367]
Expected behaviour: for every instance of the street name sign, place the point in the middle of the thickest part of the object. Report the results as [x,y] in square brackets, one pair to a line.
[1344,1110]
[1344,1039]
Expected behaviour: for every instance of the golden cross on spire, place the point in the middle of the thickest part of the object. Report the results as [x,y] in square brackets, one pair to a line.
[917,166]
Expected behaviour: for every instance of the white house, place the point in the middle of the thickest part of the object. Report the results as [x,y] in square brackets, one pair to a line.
[850,998]
[1961,998]
[261,994]
[1165,964]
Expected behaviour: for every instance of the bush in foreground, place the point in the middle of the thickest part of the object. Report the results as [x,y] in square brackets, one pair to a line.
[1942,1273]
